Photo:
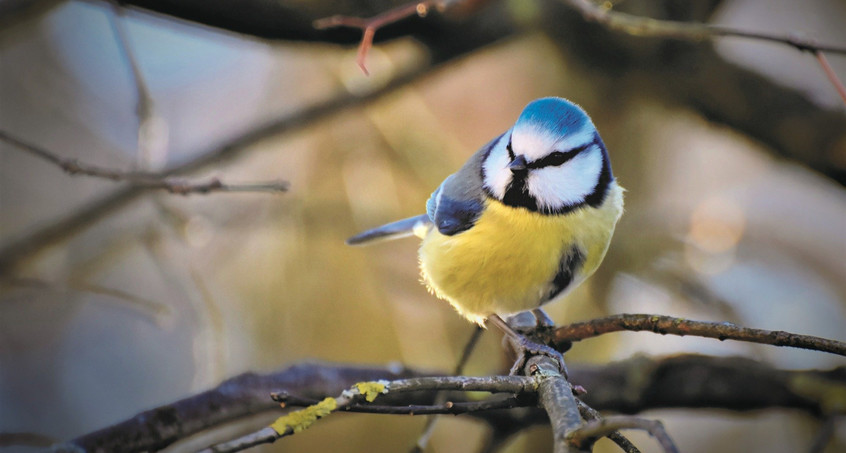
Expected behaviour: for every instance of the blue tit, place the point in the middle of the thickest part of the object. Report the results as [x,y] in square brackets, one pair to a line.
[524,221]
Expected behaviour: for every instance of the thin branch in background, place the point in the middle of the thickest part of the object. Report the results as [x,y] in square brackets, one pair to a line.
[590,414]
[431,422]
[691,31]
[824,435]
[25,440]
[679,326]
[150,308]
[146,180]
[28,246]
[369,25]
[595,429]
[832,76]
[152,130]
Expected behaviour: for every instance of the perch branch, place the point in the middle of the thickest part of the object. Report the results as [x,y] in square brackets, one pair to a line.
[629,386]
[556,397]
[678,326]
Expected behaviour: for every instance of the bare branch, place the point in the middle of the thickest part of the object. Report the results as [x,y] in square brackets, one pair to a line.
[369,26]
[824,435]
[25,439]
[144,109]
[691,31]
[556,397]
[832,76]
[628,386]
[37,239]
[146,180]
[679,326]
[431,422]
[590,414]
[447,407]
[368,391]
[595,429]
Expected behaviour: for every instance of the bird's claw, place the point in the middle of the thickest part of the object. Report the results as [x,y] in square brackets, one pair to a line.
[526,348]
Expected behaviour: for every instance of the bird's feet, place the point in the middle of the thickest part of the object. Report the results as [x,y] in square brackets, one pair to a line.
[526,348]
[523,346]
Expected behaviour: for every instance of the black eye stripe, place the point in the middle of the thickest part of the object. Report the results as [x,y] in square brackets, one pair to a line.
[510,150]
[557,158]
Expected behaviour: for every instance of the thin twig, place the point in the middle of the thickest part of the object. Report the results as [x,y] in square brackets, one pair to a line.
[28,245]
[823,436]
[440,398]
[369,25]
[24,439]
[692,31]
[447,407]
[680,326]
[146,180]
[590,414]
[832,76]
[144,108]
[595,429]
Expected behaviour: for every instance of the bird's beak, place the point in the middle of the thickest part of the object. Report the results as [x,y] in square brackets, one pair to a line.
[518,164]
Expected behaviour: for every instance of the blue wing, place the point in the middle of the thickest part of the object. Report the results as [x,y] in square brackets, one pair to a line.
[452,208]
[450,212]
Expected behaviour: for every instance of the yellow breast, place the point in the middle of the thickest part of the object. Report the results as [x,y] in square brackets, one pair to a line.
[506,262]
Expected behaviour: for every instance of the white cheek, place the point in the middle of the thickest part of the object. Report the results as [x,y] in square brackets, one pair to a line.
[567,184]
[497,174]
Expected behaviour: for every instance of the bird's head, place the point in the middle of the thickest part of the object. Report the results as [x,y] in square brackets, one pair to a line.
[551,161]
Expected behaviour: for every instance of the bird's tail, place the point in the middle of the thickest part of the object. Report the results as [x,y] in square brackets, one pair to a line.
[401,228]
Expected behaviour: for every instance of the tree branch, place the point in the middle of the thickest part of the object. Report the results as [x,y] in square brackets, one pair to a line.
[368,391]
[556,397]
[146,180]
[679,326]
[591,414]
[690,31]
[34,241]
[448,407]
[629,386]
[370,25]
[595,429]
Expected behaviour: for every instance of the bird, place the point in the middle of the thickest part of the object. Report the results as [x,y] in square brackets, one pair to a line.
[523,222]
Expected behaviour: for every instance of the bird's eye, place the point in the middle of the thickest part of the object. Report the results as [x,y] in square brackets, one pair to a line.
[557,158]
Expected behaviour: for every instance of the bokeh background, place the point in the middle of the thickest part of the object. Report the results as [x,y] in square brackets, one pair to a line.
[165,295]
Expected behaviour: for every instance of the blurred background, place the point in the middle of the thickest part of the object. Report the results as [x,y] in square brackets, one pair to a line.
[126,306]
